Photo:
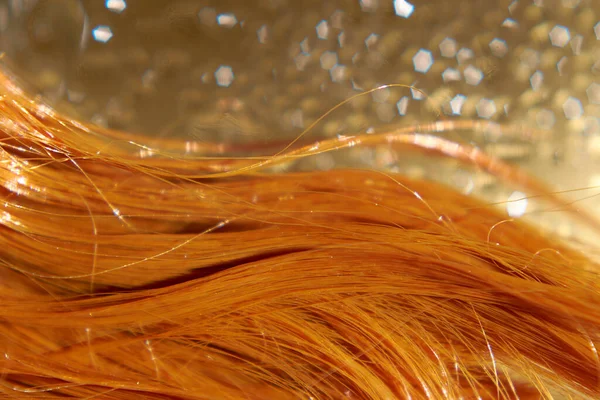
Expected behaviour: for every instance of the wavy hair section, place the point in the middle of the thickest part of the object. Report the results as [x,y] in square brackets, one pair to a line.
[204,278]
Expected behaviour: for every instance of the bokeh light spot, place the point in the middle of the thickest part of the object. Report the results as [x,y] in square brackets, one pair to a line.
[456,104]
[403,8]
[117,6]
[227,20]
[486,108]
[451,74]
[572,108]
[402,105]
[536,80]
[516,205]
[593,93]
[448,47]
[322,29]
[473,75]
[499,47]
[102,33]
[224,76]
[559,36]
[328,60]
[423,61]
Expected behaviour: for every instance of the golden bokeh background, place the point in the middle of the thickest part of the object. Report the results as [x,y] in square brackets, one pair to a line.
[260,72]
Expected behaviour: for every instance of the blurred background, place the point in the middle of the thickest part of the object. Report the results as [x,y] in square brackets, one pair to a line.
[260,72]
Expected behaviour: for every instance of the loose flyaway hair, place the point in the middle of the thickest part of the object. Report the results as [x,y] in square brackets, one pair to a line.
[136,272]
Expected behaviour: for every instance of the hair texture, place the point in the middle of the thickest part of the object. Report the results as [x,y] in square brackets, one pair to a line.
[180,277]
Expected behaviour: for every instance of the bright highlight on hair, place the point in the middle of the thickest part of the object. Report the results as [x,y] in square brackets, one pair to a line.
[171,277]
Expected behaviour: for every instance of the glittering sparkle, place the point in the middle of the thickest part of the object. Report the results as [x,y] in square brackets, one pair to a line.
[560,65]
[342,39]
[263,34]
[339,73]
[302,60]
[448,47]
[381,95]
[224,76]
[328,60]
[403,8]
[102,33]
[369,5]
[510,23]
[593,93]
[473,75]
[227,20]
[416,94]
[572,108]
[498,47]
[451,74]
[516,205]
[536,80]
[322,29]
[457,103]
[576,44]
[371,40]
[402,105]
[486,108]
[117,6]
[464,55]
[559,36]
[530,58]
[305,46]
[423,61]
